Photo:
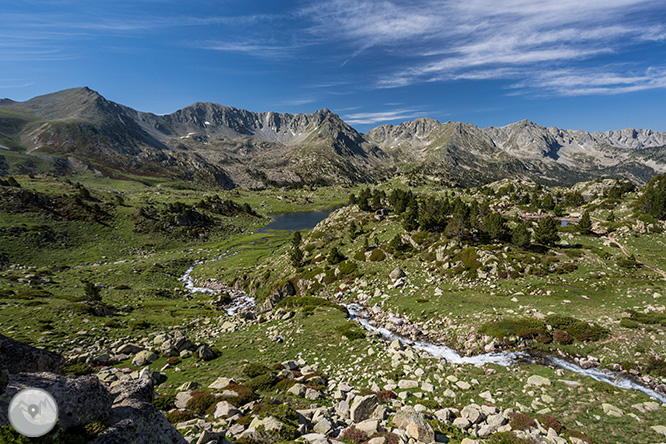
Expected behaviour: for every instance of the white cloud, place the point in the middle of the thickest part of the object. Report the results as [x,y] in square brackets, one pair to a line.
[382,116]
[442,40]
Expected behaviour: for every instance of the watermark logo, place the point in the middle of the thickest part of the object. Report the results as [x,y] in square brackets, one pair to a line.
[33,412]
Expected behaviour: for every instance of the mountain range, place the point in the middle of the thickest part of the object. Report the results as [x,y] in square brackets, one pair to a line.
[78,129]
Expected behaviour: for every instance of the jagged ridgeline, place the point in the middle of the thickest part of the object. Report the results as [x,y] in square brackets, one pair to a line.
[78,129]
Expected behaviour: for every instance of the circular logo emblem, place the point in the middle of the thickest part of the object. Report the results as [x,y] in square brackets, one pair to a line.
[33,412]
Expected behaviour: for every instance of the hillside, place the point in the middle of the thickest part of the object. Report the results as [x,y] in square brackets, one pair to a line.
[79,130]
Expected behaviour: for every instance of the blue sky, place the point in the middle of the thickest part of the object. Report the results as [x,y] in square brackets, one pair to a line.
[595,65]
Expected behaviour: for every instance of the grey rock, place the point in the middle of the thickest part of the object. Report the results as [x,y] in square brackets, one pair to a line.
[224,410]
[298,390]
[323,426]
[144,357]
[205,353]
[80,400]
[414,424]
[17,357]
[472,414]
[362,408]
[396,274]
[129,349]
[182,398]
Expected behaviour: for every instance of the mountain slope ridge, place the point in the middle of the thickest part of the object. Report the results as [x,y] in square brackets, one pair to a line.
[229,146]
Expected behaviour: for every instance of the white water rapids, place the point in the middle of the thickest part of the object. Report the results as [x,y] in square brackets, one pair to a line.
[357,313]
[242,302]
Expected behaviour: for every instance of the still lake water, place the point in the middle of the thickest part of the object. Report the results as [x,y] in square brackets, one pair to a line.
[296,221]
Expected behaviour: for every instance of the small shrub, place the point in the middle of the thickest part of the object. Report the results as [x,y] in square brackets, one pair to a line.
[254,369]
[284,385]
[200,402]
[587,332]
[385,396]
[656,366]
[649,318]
[548,422]
[353,436]
[177,416]
[377,255]
[560,321]
[576,434]
[562,337]
[164,402]
[78,369]
[603,387]
[347,267]
[521,327]
[350,331]
[359,256]
[504,438]
[244,394]
[430,404]
[520,421]
[629,323]
[263,382]
[245,421]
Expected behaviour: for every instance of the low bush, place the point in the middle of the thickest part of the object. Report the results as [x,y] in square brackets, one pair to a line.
[164,402]
[308,303]
[377,255]
[656,366]
[200,402]
[177,416]
[520,327]
[386,396]
[347,267]
[520,421]
[254,369]
[548,422]
[652,318]
[587,332]
[284,385]
[78,369]
[630,323]
[263,382]
[350,331]
[562,337]
[352,435]
[244,394]
[430,404]
[507,438]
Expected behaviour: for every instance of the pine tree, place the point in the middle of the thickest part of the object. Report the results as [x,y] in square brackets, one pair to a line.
[296,255]
[546,232]
[495,225]
[335,257]
[520,235]
[585,224]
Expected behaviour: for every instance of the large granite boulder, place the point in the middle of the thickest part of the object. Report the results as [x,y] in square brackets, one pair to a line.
[16,357]
[80,400]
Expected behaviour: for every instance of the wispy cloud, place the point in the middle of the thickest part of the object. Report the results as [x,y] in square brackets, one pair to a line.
[576,82]
[382,116]
[251,47]
[445,40]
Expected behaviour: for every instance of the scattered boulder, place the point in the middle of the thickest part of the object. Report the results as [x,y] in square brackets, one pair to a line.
[538,381]
[414,424]
[145,357]
[396,274]
[362,408]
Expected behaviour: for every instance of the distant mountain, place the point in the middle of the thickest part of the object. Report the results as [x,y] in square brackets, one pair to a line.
[210,143]
[524,149]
